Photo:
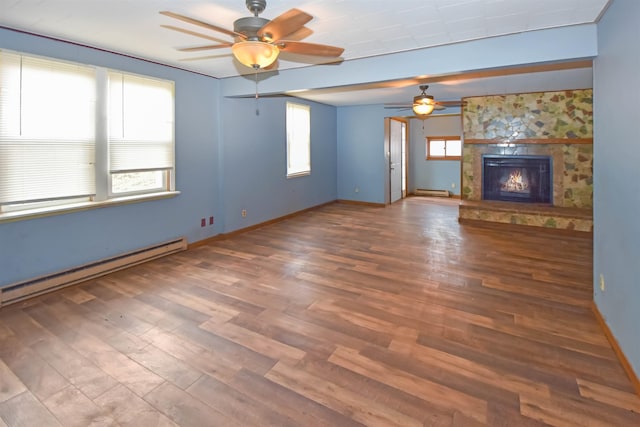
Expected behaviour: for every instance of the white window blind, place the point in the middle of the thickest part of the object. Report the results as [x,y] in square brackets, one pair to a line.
[141,123]
[298,123]
[47,129]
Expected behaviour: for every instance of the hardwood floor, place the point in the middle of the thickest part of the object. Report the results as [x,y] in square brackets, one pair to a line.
[342,316]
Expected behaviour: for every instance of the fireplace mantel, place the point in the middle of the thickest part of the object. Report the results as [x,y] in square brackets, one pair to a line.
[530,141]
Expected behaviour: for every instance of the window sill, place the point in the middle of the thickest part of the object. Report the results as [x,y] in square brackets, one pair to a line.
[298,174]
[83,206]
[452,158]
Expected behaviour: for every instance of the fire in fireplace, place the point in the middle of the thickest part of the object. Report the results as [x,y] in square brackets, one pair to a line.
[525,179]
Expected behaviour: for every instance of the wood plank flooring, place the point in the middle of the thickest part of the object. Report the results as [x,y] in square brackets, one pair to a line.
[342,316]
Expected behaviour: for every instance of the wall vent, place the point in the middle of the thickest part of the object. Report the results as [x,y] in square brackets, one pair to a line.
[51,282]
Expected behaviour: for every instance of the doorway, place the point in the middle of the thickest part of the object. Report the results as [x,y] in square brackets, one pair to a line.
[396,140]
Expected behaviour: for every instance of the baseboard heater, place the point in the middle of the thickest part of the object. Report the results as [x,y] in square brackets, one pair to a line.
[51,282]
[432,193]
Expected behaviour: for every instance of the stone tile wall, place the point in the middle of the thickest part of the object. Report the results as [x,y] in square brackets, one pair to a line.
[540,115]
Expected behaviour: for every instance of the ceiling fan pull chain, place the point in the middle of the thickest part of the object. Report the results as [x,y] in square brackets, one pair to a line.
[256,75]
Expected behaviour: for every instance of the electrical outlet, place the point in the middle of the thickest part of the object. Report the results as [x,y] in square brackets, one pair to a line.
[203,222]
[602,284]
[453,185]
[356,190]
[244,213]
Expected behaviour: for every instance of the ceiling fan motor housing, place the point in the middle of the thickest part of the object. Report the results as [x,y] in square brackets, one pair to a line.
[249,26]
[423,99]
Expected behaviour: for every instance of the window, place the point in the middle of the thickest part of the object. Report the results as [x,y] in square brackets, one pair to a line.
[74,133]
[444,148]
[140,133]
[47,130]
[298,122]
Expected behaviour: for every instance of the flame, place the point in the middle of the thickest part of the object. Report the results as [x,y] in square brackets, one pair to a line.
[515,182]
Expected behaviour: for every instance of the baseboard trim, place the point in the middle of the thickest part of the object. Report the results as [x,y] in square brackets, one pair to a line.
[51,282]
[616,348]
[223,236]
[359,203]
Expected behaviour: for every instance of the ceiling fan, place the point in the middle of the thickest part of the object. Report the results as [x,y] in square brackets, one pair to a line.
[259,41]
[424,104]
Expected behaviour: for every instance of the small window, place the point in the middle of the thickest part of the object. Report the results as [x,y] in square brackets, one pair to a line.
[298,140]
[444,148]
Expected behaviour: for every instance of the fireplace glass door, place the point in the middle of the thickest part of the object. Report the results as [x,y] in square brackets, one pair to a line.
[525,179]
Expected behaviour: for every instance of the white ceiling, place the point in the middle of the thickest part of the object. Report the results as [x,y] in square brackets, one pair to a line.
[363,27]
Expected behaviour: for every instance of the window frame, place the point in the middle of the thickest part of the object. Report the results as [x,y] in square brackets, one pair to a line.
[100,173]
[289,130]
[122,82]
[446,139]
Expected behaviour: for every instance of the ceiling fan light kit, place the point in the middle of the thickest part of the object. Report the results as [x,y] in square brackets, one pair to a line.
[423,104]
[255,54]
[423,107]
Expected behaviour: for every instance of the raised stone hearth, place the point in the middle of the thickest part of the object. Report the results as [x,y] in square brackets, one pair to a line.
[573,219]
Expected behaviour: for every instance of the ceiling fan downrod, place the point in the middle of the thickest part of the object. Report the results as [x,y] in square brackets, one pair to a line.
[250,25]
[256,6]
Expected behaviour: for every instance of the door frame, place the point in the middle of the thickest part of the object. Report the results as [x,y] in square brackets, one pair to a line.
[387,158]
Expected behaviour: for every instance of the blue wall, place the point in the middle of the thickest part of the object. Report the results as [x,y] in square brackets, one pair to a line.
[362,160]
[361,157]
[616,184]
[432,174]
[255,161]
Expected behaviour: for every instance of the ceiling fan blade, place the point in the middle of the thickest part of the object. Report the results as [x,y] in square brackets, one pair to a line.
[207,47]
[437,107]
[300,34]
[284,24]
[450,103]
[192,33]
[309,48]
[201,24]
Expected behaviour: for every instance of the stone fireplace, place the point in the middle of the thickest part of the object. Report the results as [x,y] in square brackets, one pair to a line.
[528,158]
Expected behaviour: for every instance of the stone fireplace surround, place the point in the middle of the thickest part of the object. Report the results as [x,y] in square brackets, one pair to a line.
[571,203]
[556,124]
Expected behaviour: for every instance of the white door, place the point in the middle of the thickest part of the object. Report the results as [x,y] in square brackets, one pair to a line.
[397,173]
